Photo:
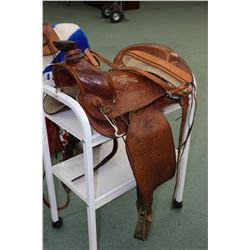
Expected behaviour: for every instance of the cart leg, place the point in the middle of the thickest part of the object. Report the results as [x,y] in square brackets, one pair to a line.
[92,227]
[182,164]
[89,173]
[56,221]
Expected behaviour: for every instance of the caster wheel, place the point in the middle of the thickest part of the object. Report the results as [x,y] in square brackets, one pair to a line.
[57,224]
[116,16]
[105,10]
[177,204]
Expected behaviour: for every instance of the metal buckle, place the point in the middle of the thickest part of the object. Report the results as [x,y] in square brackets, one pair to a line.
[112,123]
[58,90]
[173,97]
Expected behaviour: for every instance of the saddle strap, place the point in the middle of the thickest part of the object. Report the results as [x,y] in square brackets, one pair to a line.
[66,189]
[91,58]
[171,90]
[184,107]
[105,160]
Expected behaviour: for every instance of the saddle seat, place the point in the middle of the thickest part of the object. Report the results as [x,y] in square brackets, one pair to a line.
[154,58]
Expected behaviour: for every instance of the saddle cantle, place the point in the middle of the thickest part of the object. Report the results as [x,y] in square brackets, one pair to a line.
[126,101]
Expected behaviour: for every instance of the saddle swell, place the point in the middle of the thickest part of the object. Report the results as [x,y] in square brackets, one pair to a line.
[127,101]
[87,77]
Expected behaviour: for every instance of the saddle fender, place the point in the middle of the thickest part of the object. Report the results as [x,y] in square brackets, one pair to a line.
[151,152]
[88,78]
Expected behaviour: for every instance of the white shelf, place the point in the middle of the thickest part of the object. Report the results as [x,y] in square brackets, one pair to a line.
[69,122]
[110,181]
[171,108]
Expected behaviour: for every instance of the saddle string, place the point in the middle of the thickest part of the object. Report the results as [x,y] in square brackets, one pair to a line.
[193,102]
[180,152]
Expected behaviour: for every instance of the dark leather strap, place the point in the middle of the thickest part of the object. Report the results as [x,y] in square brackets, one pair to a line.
[184,102]
[105,160]
[67,190]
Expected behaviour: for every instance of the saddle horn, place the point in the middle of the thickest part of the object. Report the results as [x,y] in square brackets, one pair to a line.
[72,53]
[64,45]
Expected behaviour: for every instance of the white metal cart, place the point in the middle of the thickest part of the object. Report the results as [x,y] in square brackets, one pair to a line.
[107,183]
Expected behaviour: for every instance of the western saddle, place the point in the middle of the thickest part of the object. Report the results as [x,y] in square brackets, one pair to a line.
[127,101]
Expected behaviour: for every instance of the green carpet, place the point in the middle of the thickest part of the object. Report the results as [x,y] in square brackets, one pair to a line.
[183,27]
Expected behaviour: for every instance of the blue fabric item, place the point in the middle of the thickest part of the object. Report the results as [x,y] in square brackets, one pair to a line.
[81,42]
[81,39]
[47,69]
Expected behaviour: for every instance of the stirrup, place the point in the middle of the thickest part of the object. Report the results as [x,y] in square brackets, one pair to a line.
[143,225]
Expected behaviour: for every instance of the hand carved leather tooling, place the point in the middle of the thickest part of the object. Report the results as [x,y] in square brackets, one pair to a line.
[126,101]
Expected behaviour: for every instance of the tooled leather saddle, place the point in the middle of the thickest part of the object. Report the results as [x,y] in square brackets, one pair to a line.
[126,101]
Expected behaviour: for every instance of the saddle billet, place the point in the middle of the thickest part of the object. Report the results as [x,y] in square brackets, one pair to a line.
[127,102]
